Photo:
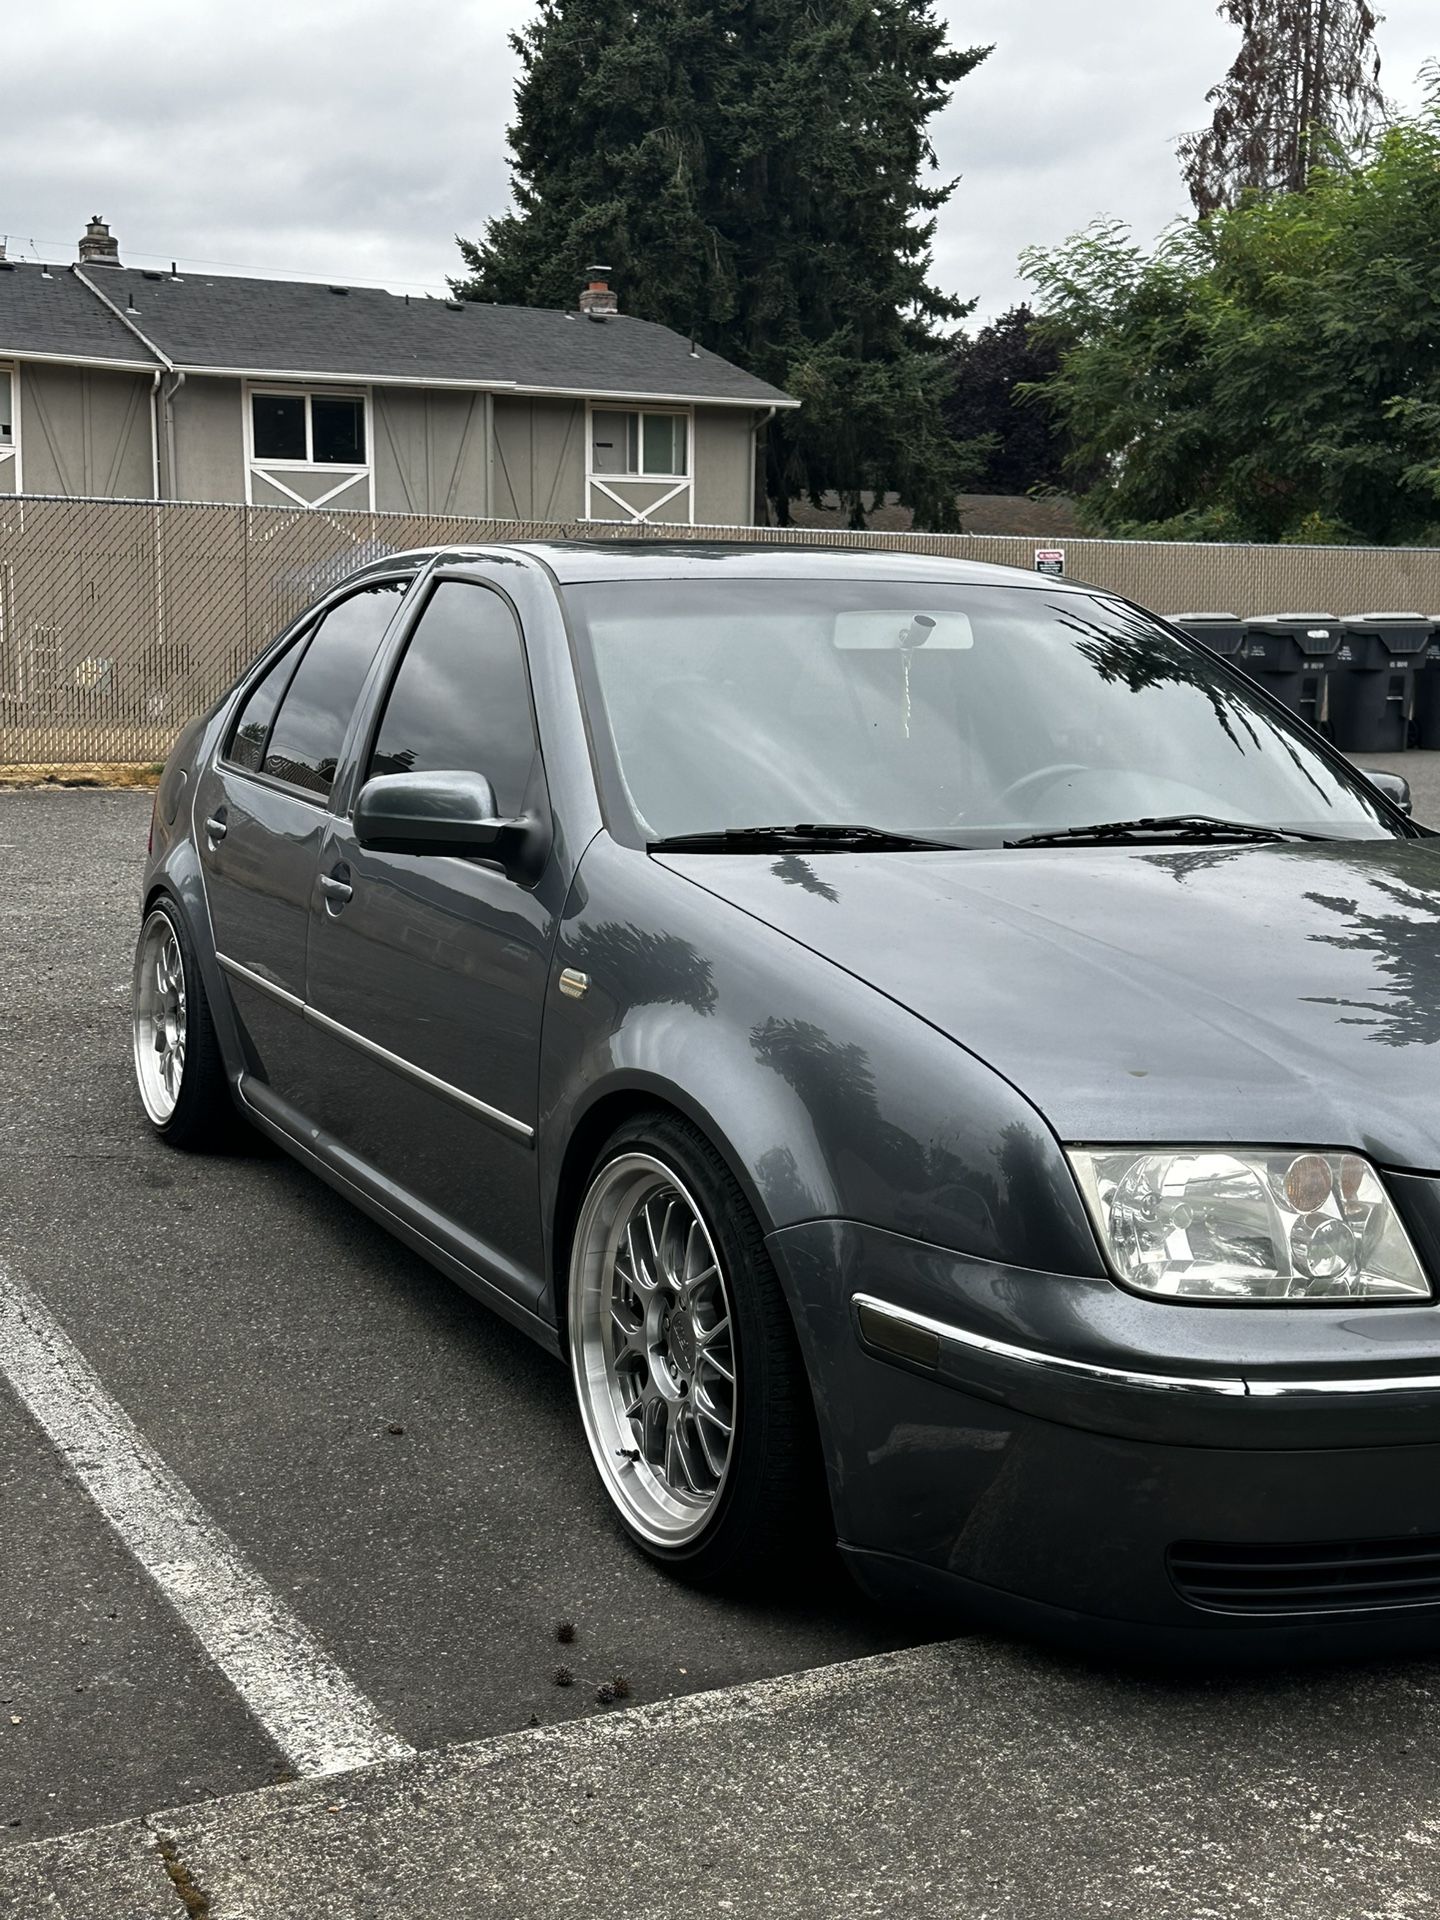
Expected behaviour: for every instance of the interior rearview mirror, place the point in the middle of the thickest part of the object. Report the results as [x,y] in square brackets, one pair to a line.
[435,813]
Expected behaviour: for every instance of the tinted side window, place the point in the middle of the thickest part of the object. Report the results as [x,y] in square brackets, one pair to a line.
[461,697]
[246,745]
[310,726]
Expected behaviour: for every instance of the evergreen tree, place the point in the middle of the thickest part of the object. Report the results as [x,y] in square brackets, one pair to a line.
[1019,445]
[756,173]
[1305,82]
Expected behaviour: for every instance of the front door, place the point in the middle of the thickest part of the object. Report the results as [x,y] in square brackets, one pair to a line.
[260,818]
[426,975]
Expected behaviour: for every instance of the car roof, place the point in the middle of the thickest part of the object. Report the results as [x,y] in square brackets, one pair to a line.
[574,561]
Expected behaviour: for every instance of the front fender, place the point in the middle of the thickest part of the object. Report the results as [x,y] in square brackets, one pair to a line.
[827,1099]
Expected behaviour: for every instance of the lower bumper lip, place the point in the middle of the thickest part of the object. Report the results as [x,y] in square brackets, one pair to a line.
[919,1340]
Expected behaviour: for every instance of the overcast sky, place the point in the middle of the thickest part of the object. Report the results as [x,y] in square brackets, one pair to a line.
[351,139]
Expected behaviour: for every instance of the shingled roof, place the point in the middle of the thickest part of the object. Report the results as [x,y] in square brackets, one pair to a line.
[290,328]
[45,311]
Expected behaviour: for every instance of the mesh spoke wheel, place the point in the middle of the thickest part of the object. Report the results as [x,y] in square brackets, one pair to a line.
[652,1337]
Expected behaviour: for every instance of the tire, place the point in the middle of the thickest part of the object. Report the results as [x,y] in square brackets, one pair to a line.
[651,1342]
[178,1069]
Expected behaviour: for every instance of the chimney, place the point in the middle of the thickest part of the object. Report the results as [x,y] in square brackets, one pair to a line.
[98,246]
[597,300]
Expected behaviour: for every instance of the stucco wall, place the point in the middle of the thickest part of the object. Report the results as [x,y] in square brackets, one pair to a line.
[724,467]
[85,431]
[209,443]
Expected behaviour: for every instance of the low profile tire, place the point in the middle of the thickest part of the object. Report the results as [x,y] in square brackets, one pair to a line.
[690,1380]
[178,1068]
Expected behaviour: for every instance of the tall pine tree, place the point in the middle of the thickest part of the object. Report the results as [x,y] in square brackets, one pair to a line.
[758,175]
[1306,80]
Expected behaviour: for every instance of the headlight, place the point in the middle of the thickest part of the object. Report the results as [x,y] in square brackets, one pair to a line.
[1211,1223]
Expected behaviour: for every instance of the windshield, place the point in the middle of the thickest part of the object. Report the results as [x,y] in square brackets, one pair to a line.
[967,714]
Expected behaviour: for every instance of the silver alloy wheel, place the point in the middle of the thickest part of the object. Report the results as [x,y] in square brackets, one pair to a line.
[159,1016]
[652,1344]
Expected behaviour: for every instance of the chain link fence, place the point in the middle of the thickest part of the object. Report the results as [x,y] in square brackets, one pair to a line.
[120,620]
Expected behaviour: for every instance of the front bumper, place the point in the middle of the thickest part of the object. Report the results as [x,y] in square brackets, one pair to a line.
[1048,1448]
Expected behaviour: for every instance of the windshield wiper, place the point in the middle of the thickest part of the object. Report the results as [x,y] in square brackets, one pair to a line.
[786,839]
[1165,826]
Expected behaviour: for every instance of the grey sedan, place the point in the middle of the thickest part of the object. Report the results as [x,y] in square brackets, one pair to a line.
[947,1062]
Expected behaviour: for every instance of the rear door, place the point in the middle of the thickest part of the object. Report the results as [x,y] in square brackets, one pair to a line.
[428,974]
[260,817]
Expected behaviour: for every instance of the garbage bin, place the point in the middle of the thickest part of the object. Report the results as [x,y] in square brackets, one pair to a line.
[1221,632]
[1373,699]
[1294,654]
[1427,691]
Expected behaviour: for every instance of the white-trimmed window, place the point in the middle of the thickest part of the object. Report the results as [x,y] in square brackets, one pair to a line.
[639,445]
[322,429]
[9,426]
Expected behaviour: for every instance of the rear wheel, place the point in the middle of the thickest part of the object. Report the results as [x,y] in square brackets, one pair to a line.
[689,1377]
[178,1068]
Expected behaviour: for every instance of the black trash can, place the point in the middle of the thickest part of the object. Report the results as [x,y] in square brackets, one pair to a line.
[1427,691]
[1372,701]
[1221,632]
[1294,655]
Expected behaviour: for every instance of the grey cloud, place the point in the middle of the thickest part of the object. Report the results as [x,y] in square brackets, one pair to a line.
[353,138]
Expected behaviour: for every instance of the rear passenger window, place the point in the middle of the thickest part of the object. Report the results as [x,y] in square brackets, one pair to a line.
[460,700]
[246,745]
[315,710]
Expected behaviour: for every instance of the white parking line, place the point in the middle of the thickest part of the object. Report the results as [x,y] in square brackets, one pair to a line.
[308,1706]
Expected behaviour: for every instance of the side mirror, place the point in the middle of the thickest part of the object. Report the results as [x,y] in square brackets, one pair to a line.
[435,813]
[1394,786]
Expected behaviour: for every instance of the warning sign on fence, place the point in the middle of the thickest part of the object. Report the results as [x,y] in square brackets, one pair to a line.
[1050,560]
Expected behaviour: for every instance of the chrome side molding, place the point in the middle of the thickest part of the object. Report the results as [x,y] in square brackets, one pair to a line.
[908,1335]
[507,1123]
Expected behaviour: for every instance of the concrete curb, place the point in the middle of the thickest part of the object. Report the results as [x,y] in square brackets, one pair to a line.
[967,1779]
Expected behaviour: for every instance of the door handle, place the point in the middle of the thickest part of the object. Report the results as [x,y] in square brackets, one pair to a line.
[216,825]
[333,889]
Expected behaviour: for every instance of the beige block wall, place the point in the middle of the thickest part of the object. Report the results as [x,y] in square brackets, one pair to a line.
[85,431]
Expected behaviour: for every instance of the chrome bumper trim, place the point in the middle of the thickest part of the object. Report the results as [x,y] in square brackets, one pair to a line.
[906,1322]
[507,1123]
[902,1317]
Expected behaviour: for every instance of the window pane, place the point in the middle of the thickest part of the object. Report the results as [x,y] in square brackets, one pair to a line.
[664,443]
[310,727]
[279,424]
[246,747]
[613,437]
[338,429]
[461,699]
[7,431]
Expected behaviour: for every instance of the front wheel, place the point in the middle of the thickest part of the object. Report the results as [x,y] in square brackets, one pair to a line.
[178,1067]
[690,1381]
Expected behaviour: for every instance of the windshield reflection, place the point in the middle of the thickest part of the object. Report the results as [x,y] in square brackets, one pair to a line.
[973,714]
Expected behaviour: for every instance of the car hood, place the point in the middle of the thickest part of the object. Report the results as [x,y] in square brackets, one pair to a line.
[1280,993]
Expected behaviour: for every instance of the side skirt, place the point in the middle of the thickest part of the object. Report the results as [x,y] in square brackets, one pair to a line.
[456,1256]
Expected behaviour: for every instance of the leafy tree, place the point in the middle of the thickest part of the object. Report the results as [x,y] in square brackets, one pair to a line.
[1271,373]
[757,173]
[1305,83]
[1016,446]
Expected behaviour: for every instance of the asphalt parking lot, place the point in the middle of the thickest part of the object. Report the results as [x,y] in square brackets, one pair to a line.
[268,1339]
[407,1475]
